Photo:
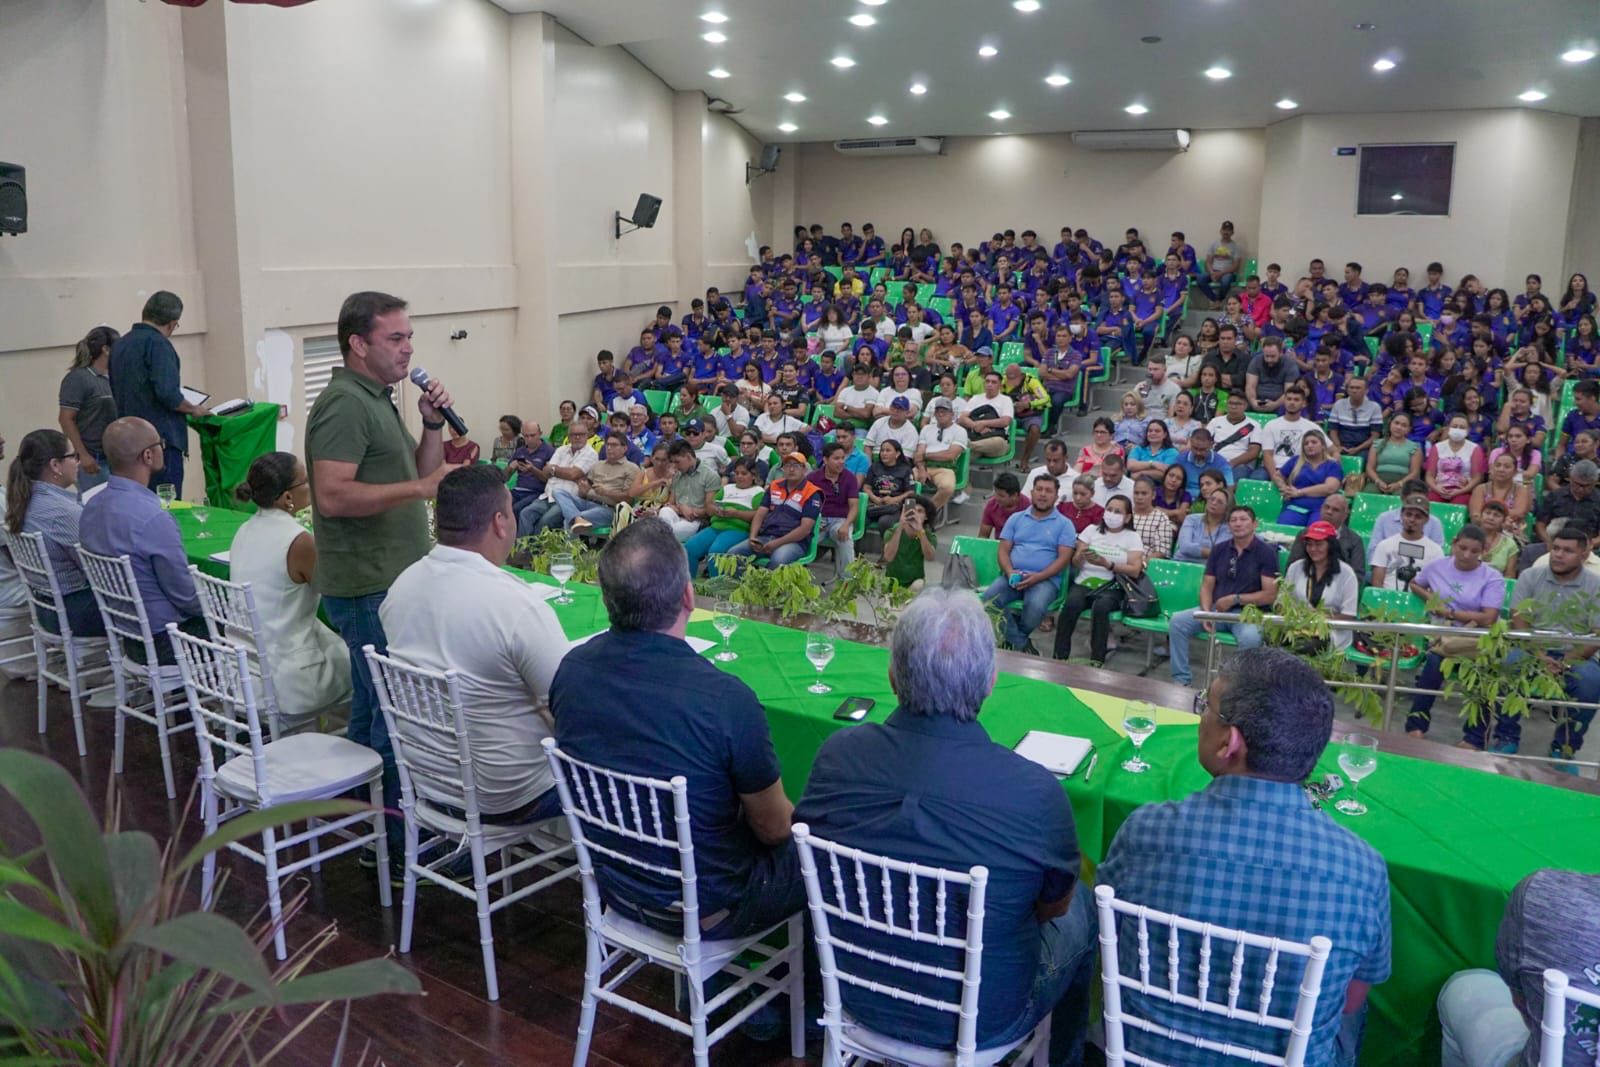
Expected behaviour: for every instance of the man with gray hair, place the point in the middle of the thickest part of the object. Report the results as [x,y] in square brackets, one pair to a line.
[638,699]
[1250,852]
[928,786]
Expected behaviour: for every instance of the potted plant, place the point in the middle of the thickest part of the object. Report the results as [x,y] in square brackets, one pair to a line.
[103,962]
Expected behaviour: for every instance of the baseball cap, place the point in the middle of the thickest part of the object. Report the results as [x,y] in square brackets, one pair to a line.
[901,403]
[730,390]
[1321,530]
[591,411]
[796,457]
[941,403]
[1417,501]
[694,426]
[984,350]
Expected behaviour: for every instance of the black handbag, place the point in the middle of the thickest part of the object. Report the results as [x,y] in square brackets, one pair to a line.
[1139,597]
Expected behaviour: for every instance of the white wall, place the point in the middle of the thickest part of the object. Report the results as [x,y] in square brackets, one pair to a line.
[1583,228]
[1512,184]
[984,184]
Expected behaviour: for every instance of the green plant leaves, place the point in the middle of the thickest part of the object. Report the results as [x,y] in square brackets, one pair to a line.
[209,941]
[136,867]
[77,852]
[369,978]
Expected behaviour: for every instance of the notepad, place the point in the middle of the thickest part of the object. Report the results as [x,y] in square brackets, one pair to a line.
[223,557]
[1057,753]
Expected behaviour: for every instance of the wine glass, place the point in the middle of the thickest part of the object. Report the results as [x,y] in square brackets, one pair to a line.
[1139,720]
[819,650]
[562,570]
[167,493]
[202,515]
[1357,758]
[726,623]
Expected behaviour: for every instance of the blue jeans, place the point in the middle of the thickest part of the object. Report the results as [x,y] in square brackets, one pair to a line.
[1582,683]
[778,557]
[711,542]
[594,514]
[356,619]
[1061,988]
[172,473]
[83,615]
[1184,626]
[540,515]
[1214,290]
[87,481]
[1020,624]
[1430,677]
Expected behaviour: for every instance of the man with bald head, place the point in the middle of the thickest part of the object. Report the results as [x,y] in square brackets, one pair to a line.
[126,519]
[525,469]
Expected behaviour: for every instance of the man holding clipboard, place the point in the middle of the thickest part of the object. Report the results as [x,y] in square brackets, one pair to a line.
[146,383]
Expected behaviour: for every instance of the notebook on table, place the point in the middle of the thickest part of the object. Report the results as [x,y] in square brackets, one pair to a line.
[1060,754]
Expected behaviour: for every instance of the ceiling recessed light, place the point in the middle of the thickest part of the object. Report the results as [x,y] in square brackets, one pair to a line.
[917,88]
[1383,64]
[1217,74]
[718,72]
[716,18]
[1286,104]
[1027,7]
[795,98]
[1056,81]
[988,51]
[1396,196]
[714,37]
[787,127]
[874,3]
[863,20]
[842,62]
[1365,27]
[1532,96]
[1137,109]
[1578,55]
[877,120]
[999,114]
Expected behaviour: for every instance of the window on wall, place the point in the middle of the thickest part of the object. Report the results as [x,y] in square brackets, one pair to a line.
[1405,179]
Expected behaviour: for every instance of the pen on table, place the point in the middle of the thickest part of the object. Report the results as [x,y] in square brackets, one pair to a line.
[1093,759]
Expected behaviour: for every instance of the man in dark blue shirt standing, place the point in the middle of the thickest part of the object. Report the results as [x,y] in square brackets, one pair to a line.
[929,787]
[147,384]
[639,700]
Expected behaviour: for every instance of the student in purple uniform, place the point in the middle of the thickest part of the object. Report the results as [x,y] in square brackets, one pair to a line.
[1326,384]
[1583,348]
[1147,313]
[1502,321]
[1271,285]
[626,396]
[1399,296]
[603,387]
[849,245]
[734,359]
[1115,326]
[824,377]
[1179,246]
[705,369]
[1576,302]
[643,359]
[784,312]
[673,364]
[1005,318]
[695,323]
[873,253]
[1432,298]
[1354,290]
[1092,288]
[1426,419]
[1532,286]
[1585,416]
[1418,379]
[1374,310]
[975,332]
[868,337]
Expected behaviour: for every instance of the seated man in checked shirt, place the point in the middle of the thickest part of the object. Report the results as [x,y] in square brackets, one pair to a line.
[1250,852]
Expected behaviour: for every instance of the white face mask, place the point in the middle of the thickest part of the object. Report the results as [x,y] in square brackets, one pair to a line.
[1457,434]
[1076,328]
[1113,520]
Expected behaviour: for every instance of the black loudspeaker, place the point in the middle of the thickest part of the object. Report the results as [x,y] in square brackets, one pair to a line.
[769,157]
[645,211]
[13,198]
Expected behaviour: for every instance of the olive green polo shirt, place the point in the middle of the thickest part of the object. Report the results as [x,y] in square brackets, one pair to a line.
[355,421]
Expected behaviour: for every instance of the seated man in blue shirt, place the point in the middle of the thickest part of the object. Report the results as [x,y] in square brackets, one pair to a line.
[1241,571]
[928,786]
[1249,852]
[1035,550]
[126,519]
[703,723]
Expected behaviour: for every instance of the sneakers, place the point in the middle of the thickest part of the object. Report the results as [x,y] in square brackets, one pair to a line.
[960,498]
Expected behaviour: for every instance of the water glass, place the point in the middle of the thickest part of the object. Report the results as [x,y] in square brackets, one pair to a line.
[202,515]
[562,570]
[726,623]
[167,493]
[819,650]
[1358,757]
[1139,720]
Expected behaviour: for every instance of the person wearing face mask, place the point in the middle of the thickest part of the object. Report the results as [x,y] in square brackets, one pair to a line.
[1454,466]
[1106,549]
[310,664]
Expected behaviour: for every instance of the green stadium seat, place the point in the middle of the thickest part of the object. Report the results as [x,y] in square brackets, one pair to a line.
[943,305]
[1389,605]
[1005,457]
[925,293]
[1260,418]
[1365,509]
[1261,496]
[985,555]
[1177,589]
[658,399]
[1010,352]
[1451,517]
[1350,465]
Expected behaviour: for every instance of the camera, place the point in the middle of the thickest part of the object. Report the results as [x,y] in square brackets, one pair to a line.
[1411,557]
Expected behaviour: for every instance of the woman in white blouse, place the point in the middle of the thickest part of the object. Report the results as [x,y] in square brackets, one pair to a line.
[1105,550]
[834,333]
[308,663]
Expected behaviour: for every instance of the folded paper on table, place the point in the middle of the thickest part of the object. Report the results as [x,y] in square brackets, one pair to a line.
[1057,753]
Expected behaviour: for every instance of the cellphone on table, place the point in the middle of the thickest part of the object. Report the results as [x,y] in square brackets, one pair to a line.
[854,709]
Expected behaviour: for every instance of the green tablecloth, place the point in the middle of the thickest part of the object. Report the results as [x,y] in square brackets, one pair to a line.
[229,444]
[1456,840]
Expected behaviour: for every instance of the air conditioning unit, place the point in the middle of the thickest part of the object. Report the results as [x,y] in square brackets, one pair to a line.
[891,146]
[1132,140]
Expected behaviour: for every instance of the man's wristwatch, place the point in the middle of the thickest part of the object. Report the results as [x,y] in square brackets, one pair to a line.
[426,425]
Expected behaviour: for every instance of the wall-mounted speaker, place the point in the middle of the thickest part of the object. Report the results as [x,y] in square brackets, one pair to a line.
[646,210]
[769,157]
[13,198]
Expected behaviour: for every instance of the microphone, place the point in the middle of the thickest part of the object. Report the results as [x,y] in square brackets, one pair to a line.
[420,379]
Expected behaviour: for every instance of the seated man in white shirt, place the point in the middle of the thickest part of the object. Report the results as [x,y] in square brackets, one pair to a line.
[988,419]
[456,609]
[730,418]
[856,404]
[939,448]
[1407,550]
[1112,481]
[571,462]
[896,424]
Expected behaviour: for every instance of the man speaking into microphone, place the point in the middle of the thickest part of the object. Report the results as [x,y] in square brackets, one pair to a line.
[369,480]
